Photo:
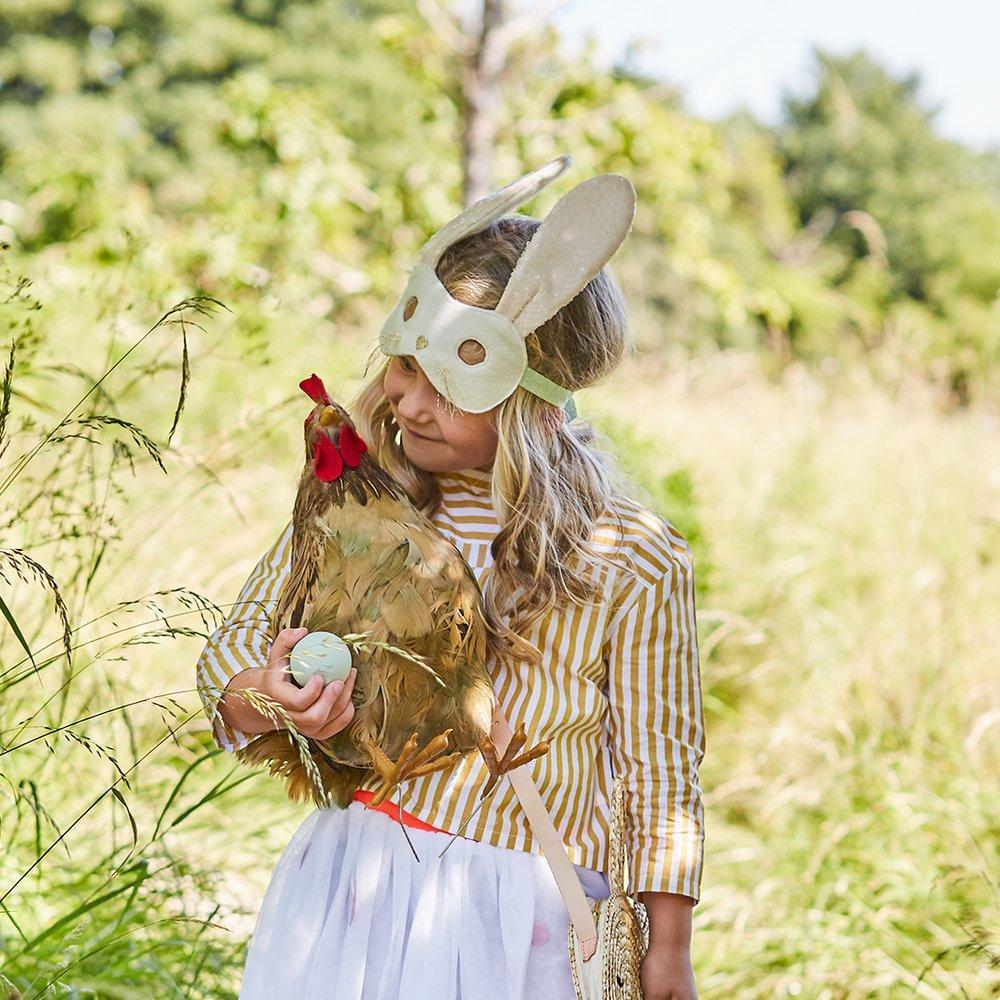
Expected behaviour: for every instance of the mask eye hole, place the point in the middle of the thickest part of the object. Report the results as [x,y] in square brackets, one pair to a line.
[472,352]
[410,308]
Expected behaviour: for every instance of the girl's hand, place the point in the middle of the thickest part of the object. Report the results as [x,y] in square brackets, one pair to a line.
[318,710]
[666,973]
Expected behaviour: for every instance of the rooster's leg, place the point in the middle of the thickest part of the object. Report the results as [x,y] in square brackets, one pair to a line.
[411,763]
[402,825]
[510,759]
[498,766]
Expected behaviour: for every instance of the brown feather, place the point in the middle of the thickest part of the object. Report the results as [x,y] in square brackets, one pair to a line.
[364,559]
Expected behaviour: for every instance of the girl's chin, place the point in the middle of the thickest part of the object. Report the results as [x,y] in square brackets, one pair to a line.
[423,453]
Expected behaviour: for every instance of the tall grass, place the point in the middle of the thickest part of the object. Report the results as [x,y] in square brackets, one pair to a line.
[849,656]
[99,775]
[846,541]
[128,866]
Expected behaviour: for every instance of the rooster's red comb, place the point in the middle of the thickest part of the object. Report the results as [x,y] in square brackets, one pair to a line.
[313,387]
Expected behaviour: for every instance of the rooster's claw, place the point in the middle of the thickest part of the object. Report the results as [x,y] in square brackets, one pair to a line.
[409,764]
[508,761]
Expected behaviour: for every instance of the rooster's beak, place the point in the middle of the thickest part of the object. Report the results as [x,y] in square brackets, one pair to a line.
[329,416]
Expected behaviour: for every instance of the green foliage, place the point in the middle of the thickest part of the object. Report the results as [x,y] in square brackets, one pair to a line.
[308,148]
[286,158]
[913,219]
[95,898]
[668,491]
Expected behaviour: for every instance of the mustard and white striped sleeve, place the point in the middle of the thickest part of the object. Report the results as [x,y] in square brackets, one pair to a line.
[240,642]
[657,727]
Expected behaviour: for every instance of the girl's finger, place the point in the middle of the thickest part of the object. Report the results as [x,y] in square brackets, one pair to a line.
[283,644]
[344,698]
[340,704]
[324,707]
[337,724]
[299,699]
[330,703]
[319,711]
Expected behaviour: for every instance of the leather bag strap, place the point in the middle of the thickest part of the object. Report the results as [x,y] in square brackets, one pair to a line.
[551,844]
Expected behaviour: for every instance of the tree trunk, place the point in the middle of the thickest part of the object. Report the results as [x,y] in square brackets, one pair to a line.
[481,73]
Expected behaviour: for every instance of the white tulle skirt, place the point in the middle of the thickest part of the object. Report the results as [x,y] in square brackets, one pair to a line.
[350,914]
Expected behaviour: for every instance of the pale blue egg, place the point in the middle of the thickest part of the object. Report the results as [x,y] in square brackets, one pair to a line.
[320,653]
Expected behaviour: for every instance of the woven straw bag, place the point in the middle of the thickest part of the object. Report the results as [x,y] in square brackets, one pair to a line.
[612,973]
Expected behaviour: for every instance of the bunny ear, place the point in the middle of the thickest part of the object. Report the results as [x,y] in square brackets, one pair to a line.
[575,240]
[481,213]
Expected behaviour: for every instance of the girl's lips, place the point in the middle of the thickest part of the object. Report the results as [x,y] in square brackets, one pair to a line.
[422,437]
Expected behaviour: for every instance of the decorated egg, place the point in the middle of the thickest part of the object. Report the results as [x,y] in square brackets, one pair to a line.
[320,653]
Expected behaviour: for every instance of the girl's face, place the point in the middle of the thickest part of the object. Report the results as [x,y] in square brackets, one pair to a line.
[436,436]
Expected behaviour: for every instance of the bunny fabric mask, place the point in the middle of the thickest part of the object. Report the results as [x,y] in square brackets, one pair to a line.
[574,241]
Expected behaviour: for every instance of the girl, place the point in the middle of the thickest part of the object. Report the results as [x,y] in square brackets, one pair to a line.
[597,593]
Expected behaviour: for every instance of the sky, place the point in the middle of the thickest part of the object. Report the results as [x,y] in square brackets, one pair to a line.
[726,54]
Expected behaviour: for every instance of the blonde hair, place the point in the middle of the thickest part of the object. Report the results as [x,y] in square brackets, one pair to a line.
[550,481]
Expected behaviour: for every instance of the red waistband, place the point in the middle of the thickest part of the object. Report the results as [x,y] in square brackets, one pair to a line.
[392,810]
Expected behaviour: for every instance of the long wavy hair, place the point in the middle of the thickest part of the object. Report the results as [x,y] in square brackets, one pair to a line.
[550,481]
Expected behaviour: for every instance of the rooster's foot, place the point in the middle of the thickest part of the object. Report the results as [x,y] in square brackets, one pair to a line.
[511,757]
[411,763]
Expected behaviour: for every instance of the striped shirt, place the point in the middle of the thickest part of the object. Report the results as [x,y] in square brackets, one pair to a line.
[618,691]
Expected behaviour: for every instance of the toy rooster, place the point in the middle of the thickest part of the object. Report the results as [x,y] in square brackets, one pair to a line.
[365,561]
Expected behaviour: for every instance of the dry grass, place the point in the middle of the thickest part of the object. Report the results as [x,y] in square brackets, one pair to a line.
[846,540]
[849,664]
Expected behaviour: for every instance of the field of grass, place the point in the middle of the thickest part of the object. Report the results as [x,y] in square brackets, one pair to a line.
[849,642]
[846,539]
